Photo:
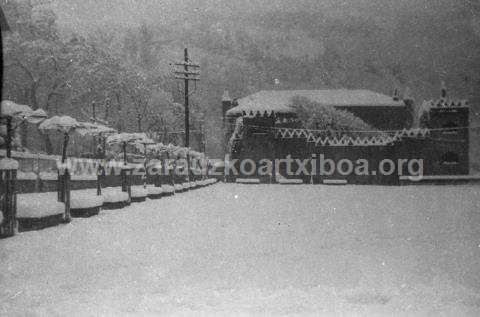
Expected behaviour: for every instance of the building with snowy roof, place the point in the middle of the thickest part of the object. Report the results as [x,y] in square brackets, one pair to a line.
[265,125]
[379,110]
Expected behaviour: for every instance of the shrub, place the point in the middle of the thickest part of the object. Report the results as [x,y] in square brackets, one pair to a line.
[335,122]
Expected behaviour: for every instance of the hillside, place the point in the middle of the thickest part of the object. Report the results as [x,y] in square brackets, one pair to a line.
[244,46]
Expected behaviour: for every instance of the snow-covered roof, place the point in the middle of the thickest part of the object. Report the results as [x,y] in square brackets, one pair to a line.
[156,147]
[89,128]
[125,137]
[181,152]
[36,116]
[279,100]
[12,109]
[196,154]
[8,164]
[59,123]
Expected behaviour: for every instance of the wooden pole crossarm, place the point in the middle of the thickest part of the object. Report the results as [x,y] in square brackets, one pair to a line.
[187,64]
[187,78]
[187,73]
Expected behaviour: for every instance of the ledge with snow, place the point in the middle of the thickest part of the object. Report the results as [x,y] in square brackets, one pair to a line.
[39,210]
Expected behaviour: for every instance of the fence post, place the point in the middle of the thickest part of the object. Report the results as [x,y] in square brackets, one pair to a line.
[8,202]
[125,172]
[100,178]
[66,194]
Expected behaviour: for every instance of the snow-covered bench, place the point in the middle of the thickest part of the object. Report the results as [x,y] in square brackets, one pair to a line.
[85,203]
[287,181]
[39,210]
[168,190]
[139,193]
[248,180]
[178,188]
[114,198]
[290,181]
[154,192]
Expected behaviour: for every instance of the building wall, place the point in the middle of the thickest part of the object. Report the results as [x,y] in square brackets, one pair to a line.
[442,152]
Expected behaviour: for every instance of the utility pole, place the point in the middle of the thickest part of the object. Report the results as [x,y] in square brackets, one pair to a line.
[187,71]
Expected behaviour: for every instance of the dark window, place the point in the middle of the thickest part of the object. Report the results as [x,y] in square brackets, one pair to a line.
[450,158]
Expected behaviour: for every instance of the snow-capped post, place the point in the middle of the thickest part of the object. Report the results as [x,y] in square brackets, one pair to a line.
[96,129]
[12,112]
[124,171]
[9,136]
[123,139]
[65,125]
[207,167]
[146,142]
[161,152]
[170,173]
[8,202]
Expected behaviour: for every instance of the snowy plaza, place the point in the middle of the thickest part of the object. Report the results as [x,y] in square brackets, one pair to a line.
[237,249]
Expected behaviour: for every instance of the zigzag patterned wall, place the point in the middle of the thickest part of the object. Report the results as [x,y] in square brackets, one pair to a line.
[381,140]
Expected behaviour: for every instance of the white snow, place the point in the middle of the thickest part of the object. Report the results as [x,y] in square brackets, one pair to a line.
[168,189]
[290,181]
[94,128]
[8,164]
[48,175]
[139,191]
[114,195]
[247,180]
[335,181]
[59,123]
[180,152]
[36,116]
[16,154]
[178,187]
[54,176]
[82,199]
[119,138]
[257,250]
[153,190]
[84,177]
[279,100]
[12,109]
[26,175]
[38,205]
[186,185]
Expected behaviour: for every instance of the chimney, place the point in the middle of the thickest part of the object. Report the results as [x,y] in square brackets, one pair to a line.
[226,103]
[407,96]
[396,94]
[410,107]
[443,90]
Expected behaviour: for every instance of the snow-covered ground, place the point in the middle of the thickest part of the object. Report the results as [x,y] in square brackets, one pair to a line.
[257,249]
